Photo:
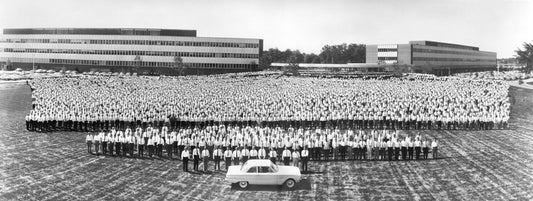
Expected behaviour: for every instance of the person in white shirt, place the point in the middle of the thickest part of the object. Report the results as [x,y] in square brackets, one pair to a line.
[185,159]
[396,149]
[262,153]
[111,144]
[125,145]
[434,146]
[305,158]
[253,153]
[245,153]
[273,155]
[206,157]
[196,158]
[103,138]
[159,146]
[364,149]
[174,141]
[236,156]
[217,156]
[151,147]
[118,143]
[131,141]
[417,145]
[342,149]
[96,142]
[404,149]
[286,156]
[140,146]
[89,140]
[296,158]
[227,157]
[383,150]
[411,149]
[425,148]
[168,145]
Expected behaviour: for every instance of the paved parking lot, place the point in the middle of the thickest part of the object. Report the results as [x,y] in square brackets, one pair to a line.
[475,165]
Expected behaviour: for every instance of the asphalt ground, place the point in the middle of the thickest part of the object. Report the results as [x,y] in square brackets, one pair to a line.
[473,165]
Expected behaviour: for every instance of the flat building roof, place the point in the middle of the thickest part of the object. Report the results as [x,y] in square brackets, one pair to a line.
[104,31]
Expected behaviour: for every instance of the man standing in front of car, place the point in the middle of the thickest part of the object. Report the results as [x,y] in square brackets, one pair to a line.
[236,155]
[305,159]
[245,153]
[286,156]
[273,155]
[217,155]
[227,157]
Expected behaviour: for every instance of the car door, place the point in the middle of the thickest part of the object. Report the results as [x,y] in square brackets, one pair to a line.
[251,176]
[278,179]
[266,176]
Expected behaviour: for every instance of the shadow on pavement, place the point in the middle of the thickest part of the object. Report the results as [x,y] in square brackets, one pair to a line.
[304,184]
[314,172]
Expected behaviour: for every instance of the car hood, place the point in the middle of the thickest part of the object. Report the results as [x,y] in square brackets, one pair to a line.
[233,170]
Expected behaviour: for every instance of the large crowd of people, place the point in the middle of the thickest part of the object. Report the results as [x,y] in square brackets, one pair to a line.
[98,103]
[496,75]
[234,145]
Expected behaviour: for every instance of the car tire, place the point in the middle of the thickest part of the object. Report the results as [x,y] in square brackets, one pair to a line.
[243,184]
[289,184]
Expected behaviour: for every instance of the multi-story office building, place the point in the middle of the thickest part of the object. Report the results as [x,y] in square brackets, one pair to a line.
[432,57]
[140,50]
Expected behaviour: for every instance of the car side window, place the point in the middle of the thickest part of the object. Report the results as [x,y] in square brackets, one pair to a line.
[252,170]
[265,170]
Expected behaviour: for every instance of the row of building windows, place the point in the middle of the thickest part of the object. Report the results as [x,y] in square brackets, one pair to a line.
[387,58]
[447,45]
[387,50]
[149,64]
[137,42]
[451,59]
[134,53]
[451,52]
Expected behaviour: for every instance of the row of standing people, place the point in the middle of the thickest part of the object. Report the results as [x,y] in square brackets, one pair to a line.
[44,125]
[389,148]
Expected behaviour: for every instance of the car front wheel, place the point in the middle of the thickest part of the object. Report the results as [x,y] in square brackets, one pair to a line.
[289,184]
[243,184]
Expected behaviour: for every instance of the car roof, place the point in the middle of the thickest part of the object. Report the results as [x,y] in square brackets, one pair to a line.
[259,162]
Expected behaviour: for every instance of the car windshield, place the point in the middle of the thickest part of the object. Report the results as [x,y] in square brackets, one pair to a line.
[274,167]
[244,165]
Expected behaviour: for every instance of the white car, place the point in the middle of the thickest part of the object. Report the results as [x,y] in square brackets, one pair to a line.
[263,172]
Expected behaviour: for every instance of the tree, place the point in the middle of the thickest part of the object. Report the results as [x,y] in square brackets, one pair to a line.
[293,67]
[179,66]
[265,61]
[399,70]
[8,64]
[253,65]
[311,58]
[343,53]
[352,53]
[525,56]
[316,60]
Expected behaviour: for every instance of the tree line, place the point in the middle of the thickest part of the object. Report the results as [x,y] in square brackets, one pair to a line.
[525,56]
[330,54]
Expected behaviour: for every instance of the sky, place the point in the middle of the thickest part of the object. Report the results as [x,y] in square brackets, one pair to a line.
[501,26]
